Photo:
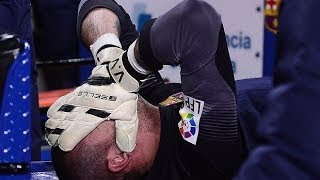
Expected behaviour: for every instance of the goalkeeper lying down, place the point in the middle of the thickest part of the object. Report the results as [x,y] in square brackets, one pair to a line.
[105,129]
[112,126]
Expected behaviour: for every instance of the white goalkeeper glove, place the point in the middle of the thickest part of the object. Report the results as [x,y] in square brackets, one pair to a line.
[75,115]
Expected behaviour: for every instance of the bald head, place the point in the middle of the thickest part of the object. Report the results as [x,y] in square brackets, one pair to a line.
[91,158]
[85,160]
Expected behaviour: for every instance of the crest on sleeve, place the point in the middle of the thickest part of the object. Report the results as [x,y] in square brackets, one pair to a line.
[272,15]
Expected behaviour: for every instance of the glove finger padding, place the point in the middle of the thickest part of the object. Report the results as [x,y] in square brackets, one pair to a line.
[74,116]
[126,125]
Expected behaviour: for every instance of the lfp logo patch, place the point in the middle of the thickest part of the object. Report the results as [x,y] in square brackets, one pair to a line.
[190,119]
[188,127]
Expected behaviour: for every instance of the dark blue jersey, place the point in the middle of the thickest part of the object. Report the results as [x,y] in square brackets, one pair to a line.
[179,159]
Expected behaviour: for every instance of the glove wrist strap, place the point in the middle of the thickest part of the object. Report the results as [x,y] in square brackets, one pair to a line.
[105,41]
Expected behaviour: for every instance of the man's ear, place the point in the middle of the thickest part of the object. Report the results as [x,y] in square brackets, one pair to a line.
[119,162]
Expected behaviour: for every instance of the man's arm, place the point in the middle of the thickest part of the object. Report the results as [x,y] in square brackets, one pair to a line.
[180,37]
[98,22]
[101,12]
[191,35]
[97,18]
[100,30]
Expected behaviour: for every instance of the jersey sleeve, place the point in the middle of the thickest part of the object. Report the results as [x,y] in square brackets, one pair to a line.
[209,121]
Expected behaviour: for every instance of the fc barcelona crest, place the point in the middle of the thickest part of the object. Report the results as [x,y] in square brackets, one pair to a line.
[272,14]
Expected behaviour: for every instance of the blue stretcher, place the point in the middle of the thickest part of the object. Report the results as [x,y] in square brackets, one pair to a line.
[15,124]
